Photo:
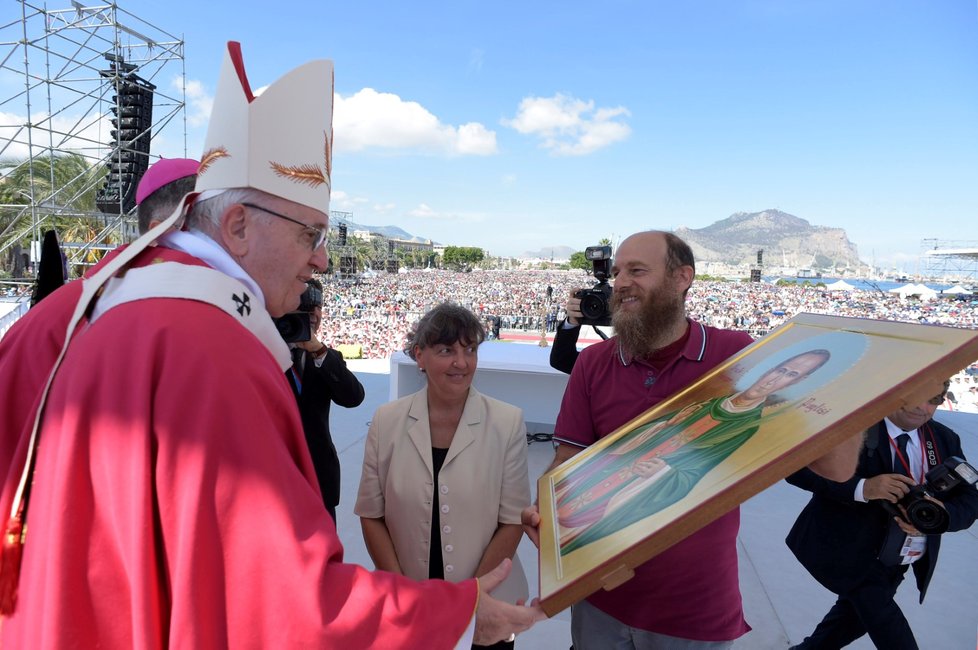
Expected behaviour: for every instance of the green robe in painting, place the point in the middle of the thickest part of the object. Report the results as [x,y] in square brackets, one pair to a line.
[687,465]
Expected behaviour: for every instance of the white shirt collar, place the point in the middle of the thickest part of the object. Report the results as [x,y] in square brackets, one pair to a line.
[199,245]
[895,431]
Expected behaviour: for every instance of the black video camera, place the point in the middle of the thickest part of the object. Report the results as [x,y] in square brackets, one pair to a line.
[596,301]
[925,515]
[296,326]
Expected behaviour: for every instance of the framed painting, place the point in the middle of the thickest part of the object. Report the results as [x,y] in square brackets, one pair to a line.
[766,412]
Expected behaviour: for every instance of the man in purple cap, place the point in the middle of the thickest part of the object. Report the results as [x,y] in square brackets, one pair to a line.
[161,188]
[41,332]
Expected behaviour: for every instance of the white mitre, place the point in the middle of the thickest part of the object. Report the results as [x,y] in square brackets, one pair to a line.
[280,142]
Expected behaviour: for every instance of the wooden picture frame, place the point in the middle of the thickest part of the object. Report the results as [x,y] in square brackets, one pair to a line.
[700,453]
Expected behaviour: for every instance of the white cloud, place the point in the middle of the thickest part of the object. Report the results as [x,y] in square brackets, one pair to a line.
[568,126]
[340,200]
[84,134]
[372,120]
[384,208]
[476,140]
[508,179]
[72,128]
[423,211]
[199,102]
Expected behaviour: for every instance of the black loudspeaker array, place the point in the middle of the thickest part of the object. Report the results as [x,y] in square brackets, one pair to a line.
[132,123]
[348,267]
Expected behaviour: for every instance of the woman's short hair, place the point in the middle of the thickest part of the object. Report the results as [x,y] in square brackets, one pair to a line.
[445,324]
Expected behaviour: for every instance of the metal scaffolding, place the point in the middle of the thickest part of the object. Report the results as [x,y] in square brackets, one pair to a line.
[58,102]
[949,260]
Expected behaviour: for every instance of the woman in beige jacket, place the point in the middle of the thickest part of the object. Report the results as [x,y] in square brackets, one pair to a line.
[444,470]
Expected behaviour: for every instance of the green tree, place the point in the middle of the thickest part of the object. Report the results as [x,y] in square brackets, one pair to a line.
[61,180]
[462,257]
[578,261]
[62,188]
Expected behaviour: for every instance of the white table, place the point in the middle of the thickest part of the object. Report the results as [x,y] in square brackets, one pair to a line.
[519,374]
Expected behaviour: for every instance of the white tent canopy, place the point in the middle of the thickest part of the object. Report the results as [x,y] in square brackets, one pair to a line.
[957,289]
[924,292]
[840,285]
[905,290]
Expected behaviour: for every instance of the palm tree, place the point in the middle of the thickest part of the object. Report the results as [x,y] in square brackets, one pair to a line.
[61,190]
[56,180]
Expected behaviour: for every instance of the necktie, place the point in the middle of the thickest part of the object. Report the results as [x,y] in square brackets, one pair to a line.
[297,369]
[900,468]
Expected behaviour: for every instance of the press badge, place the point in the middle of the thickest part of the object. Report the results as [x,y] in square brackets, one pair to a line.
[913,547]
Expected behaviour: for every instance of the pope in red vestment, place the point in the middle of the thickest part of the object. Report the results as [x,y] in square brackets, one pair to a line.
[175,504]
[172,500]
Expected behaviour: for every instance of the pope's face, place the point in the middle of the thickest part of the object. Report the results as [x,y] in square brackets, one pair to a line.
[786,374]
[281,258]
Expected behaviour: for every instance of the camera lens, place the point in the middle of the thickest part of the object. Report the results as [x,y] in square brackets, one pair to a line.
[593,306]
[928,517]
[288,326]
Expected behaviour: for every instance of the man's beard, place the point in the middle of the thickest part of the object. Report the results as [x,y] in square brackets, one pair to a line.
[649,328]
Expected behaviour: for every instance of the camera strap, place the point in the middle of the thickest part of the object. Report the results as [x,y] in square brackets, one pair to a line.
[932,456]
[929,456]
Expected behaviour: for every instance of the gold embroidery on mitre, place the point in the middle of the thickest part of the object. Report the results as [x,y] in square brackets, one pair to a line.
[311,175]
[209,157]
[329,158]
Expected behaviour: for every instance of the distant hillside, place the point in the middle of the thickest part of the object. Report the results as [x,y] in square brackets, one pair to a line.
[391,232]
[788,241]
[555,253]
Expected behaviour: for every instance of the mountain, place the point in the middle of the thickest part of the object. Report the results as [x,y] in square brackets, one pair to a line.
[787,241]
[391,232]
[555,253]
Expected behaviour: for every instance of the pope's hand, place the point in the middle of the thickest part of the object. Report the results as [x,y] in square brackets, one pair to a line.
[496,620]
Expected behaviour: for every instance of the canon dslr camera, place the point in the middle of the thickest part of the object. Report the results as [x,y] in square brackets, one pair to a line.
[596,301]
[296,326]
[925,515]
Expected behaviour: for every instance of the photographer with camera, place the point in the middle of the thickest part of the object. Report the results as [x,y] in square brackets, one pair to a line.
[318,376]
[590,306]
[857,538]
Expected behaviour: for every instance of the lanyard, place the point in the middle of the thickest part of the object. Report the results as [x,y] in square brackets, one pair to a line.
[928,454]
[296,378]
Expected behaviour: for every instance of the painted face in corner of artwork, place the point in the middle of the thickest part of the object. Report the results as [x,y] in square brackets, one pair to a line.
[787,373]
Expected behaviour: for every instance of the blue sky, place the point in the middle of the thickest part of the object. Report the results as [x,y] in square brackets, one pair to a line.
[519,125]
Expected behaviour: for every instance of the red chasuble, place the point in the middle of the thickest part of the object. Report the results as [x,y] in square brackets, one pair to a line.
[175,503]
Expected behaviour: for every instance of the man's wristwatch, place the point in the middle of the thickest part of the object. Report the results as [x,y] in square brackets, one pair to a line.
[320,352]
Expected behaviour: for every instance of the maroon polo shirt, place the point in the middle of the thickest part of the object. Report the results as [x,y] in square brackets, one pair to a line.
[691,590]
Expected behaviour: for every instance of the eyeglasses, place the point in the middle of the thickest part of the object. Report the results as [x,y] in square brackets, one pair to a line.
[937,401]
[317,233]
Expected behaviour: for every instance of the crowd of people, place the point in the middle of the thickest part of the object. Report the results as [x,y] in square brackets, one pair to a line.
[375,313]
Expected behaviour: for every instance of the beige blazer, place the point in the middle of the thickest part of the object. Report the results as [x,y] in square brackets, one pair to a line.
[483,483]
